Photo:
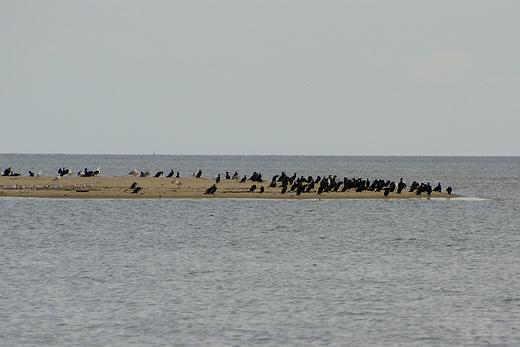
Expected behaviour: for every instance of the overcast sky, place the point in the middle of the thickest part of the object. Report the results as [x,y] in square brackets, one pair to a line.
[260,77]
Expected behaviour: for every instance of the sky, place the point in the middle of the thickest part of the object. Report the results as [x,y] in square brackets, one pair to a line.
[403,78]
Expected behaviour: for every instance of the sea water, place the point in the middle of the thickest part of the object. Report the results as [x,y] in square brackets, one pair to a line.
[224,272]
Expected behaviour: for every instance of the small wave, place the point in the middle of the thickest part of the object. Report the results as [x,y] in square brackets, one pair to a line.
[458,198]
[466,198]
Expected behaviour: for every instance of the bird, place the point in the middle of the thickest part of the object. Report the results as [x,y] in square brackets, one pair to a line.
[134,172]
[136,190]
[170,174]
[292,178]
[133,185]
[336,186]
[177,182]
[146,174]
[284,189]
[400,186]
[63,172]
[198,174]
[428,189]
[211,190]
[39,174]
[31,174]
[227,175]
[449,190]
[253,187]
[438,188]
[243,179]
[87,173]
[159,174]
[217,180]
[262,189]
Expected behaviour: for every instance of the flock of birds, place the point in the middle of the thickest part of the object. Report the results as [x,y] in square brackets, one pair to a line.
[299,185]
[149,172]
[135,189]
[16,186]
[331,184]
[308,184]
[10,172]
[61,172]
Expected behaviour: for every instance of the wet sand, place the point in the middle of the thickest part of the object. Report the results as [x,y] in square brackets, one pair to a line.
[168,188]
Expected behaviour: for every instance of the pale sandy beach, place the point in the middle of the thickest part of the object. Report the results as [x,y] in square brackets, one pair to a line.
[168,188]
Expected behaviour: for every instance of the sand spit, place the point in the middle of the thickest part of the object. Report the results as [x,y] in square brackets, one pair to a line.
[171,188]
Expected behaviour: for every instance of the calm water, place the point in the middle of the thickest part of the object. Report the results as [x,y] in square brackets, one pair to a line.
[428,272]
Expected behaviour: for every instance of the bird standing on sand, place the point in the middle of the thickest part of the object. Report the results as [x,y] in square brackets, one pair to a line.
[63,172]
[400,186]
[136,190]
[211,190]
[134,172]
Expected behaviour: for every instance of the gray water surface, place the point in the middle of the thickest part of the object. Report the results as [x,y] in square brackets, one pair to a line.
[425,272]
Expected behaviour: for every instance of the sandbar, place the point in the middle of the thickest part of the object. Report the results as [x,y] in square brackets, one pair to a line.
[99,187]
